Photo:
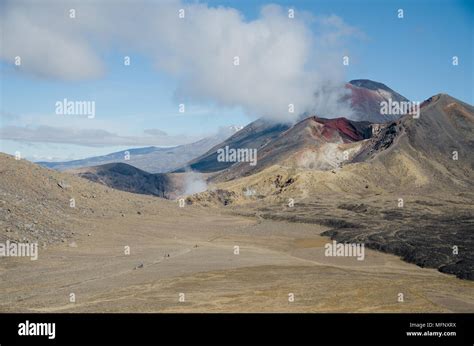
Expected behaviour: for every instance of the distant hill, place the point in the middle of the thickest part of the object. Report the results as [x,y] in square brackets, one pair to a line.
[125,177]
[150,159]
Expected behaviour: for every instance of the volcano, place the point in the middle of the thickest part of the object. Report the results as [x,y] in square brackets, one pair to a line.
[366,97]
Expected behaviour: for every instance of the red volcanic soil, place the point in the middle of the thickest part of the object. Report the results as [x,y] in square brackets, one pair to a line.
[341,125]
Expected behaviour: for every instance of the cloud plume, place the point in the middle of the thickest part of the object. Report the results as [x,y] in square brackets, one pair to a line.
[272,66]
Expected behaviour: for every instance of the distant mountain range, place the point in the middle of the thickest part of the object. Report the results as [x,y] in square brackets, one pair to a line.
[150,159]
[366,96]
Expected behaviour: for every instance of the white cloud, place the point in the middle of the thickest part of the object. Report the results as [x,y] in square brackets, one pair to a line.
[46,42]
[282,60]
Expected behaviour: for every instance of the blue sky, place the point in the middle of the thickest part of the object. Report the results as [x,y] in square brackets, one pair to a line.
[412,55]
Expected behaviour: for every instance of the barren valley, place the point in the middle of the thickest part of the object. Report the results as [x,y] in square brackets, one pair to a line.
[190,251]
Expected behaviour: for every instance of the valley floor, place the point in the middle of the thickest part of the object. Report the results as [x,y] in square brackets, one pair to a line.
[275,259]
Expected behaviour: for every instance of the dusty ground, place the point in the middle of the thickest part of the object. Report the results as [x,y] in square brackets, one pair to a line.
[276,259]
[82,252]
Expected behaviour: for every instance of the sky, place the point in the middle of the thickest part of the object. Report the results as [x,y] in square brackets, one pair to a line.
[190,61]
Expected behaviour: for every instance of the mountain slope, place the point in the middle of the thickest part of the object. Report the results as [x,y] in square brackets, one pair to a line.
[254,136]
[35,204]
[445,127]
